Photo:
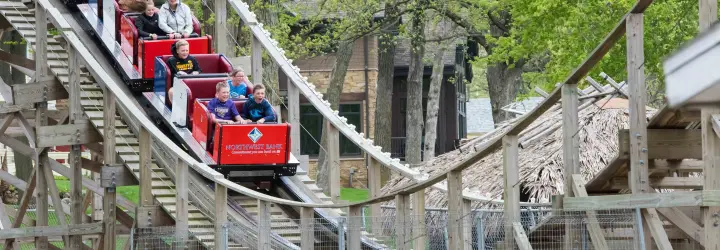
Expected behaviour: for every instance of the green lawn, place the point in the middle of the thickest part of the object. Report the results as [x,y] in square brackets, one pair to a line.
[132,193]
[354,194]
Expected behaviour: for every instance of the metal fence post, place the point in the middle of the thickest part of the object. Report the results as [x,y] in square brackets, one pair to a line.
[132,238]
[480,231]
[638,221]
[341,233]
[227,235]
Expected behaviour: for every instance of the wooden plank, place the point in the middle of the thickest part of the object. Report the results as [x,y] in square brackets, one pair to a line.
[109,193]
[12,180]
[708,13]
[571,147]
[17,60]
[354,228]
[263,225]
[80,132]
[46,88]
[256,60]
[664,183]
[307,228]
[46,231]
[57,203]
[89,165]
[639,179]
[77,210]
[512,190]
[293,109]
[656,229]
[403,222]
[146,197]
[375,186]
[41,212]
[520,237]
[684,223]
[332,159]
[665,143]
[455,213]
[181,200]
[541,92]
[419,236]
[643,200]
[6,224]
[596,234]
[117,175]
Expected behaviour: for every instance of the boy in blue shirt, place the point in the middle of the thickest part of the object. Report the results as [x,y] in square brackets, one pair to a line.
[221,107]
[258,109]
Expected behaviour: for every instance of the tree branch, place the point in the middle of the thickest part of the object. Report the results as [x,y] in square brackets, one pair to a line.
[496,22]
[476,35]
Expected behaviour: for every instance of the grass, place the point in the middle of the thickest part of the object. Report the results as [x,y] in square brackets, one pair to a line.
[354,194]
[132,193]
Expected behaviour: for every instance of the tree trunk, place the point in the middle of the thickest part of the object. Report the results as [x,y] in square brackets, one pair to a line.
[337,78]
[382,135]
[504,78]
[13,42]
[433,103]
[503,83]
[414,117]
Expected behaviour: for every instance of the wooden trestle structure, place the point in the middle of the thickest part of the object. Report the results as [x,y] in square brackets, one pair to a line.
[127,145]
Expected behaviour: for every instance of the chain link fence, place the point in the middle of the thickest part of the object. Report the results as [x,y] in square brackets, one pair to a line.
[480,229]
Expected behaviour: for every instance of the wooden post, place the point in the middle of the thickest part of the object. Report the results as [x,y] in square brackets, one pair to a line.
[293,107]
[402,222]
[571,145]
[41,70]
[77,210]
[711,144]
[222,45]
[307,228]
[374,185]
[419,234]
[264,228]
[455,209]
[512,190]
[146,198]
[256,61]
[109,158]
[468,219]
[181,200]
[221,237]
[355,225]
[332,157]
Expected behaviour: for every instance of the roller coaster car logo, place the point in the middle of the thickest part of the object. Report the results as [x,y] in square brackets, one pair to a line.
[255,135]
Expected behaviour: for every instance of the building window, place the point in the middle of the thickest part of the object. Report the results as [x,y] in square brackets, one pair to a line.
[312,122]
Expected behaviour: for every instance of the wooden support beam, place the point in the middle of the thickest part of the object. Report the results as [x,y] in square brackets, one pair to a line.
[663,183]
[221,233]
[46,231]
[354,228]
[467,223]
[45,88]
[110,194]
[117,175]
[512,188]
[643,200]
[612,82]
[181,200]
[293,106]
[80,132]
[663,144]
[455,211]
[375,185]
[708,11]
[222,46]
[6,224]
[256,60]
[596,234]
[595,84]
[89,165]
[656,229]
[13,59]
[571,147]
[307,228]
[44,180]
[541,92]
[12,180]
[145,141]
[403,222]
[55,198]
[684,223]
[332,159]
[264,227]
[75,116]
[520,237]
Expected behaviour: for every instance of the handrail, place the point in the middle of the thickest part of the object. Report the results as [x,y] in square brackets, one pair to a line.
[308,90]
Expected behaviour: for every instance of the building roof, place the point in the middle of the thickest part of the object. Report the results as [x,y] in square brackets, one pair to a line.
[480,119]
[540,155]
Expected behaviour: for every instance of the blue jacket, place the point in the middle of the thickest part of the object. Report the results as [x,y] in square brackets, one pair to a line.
[256,111]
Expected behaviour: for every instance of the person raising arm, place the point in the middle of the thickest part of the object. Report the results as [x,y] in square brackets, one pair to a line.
[257,109]
[221,108]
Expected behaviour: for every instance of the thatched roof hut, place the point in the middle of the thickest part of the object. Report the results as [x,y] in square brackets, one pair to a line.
[541,165]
